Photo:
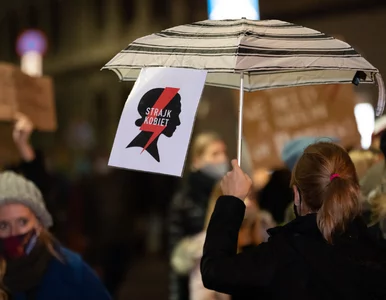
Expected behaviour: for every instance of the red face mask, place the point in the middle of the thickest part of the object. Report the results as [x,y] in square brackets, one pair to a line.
[17,246]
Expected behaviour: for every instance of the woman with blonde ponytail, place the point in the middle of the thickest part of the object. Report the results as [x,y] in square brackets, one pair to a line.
[325,253]
[332,193]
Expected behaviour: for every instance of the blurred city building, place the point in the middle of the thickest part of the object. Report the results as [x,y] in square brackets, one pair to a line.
[84,34]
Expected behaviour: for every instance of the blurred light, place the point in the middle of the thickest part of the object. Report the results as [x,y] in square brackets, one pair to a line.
[32,64]
[80,135]
[31,40]
[365,117]
[233,9]
[31,45]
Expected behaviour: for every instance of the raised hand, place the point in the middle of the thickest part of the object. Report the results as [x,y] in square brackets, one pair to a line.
[21,136]
[236,183]
[22,130]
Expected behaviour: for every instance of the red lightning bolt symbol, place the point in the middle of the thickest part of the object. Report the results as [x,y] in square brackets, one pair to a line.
[162,101]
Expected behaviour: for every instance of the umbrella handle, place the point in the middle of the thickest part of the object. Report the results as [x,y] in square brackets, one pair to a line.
[240,120]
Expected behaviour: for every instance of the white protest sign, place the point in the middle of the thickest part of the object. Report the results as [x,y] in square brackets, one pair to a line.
[156,124]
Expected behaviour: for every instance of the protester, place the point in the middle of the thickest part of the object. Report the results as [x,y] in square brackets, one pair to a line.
[33,167]
[363,160]
[294,149]
[33,265]
[369,170]
[373,188]
[187,254]
[32,163]
[290,154]
[276,195]
[325,253]
[209,163]
[373,176]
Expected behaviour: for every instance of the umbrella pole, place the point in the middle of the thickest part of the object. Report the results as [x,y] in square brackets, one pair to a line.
[240,121]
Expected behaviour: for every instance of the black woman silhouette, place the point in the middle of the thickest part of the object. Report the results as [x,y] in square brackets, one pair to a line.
[160,110]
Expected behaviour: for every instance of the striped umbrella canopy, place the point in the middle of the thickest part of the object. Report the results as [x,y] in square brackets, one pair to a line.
[270,53]
[249,55]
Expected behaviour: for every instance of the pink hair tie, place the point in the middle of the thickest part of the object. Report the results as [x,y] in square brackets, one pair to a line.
[335,175]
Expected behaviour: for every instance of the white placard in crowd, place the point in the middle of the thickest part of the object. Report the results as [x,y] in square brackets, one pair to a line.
[156,124]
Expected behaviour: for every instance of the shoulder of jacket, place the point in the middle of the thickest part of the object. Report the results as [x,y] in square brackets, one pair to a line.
[71,266]
[70,256]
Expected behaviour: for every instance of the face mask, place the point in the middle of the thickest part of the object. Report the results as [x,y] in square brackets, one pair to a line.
[18,246]
[216,171]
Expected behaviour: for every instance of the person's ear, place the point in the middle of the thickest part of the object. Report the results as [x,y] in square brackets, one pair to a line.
[296,195]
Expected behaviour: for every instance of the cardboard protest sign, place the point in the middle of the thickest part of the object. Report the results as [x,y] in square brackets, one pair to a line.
[8,152]
[274,117]
[8,104]
[32,96]
[157,121]
[35,98]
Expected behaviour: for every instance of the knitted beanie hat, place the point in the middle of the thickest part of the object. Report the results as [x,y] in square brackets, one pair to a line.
[294,149]
[15,188]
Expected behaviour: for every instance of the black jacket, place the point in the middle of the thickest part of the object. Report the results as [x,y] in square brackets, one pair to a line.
[188,207]
[186,218]
[296,262]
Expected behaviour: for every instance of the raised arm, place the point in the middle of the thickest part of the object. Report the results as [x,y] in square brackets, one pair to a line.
[222,268]
[32,166]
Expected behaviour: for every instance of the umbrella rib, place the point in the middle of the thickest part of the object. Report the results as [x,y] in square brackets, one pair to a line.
[267,69]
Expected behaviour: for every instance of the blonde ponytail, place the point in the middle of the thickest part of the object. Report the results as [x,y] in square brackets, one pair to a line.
[340,206]
[328,184]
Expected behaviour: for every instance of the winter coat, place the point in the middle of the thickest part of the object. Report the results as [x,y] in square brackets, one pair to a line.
[186,218]
[70,279]
[186,259]
[187,255]
[296,262]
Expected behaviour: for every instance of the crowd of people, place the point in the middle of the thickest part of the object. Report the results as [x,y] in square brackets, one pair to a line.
[312,230]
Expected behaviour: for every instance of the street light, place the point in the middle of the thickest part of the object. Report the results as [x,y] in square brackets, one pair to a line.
[233,9]
[365,117]
[31,46]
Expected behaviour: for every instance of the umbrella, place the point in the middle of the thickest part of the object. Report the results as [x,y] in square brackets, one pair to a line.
[249,55]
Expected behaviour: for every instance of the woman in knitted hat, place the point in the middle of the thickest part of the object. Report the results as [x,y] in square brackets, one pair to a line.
[32,264]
